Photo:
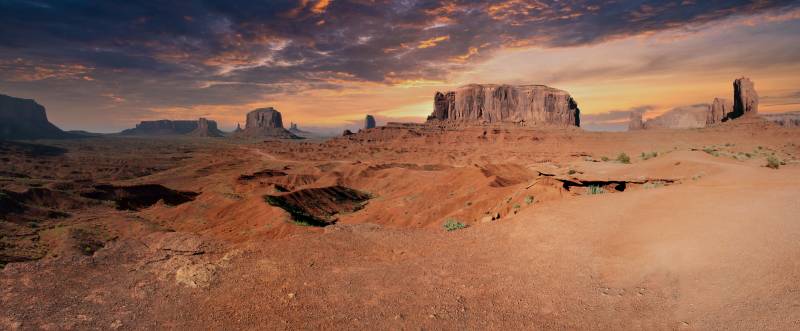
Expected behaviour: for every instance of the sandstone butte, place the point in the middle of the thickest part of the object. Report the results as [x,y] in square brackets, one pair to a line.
[26,119]
[265,123]
[369,122]
[491,103]
[745,101]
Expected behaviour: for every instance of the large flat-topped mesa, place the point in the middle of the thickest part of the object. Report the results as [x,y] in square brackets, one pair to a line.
[489,103]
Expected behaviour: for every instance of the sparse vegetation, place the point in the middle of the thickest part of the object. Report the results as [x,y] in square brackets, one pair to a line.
[623,158]
[647,156]
[773,162]
[594,189]
[453,224]
[605,158]
[529,200]
[571,172]
[711,151]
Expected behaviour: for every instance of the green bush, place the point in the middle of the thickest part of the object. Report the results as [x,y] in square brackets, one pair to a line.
[623,158]
[453,224]
[594,189]
[605,158]
[773,162]
[647,156]
[529,200]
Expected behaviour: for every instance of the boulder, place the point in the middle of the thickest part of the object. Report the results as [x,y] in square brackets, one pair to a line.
[206,128]
[718,111]
[489,103]
[745,98]
[265,123]
[26,119]
[369,122]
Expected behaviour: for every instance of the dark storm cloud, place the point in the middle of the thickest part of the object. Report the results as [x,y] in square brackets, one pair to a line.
[213,52]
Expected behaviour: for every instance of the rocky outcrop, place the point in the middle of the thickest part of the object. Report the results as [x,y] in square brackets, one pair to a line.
[369,122]
[294,129]
[489,103]
[206,128]
[745,101]
[265,123]
[745,98]
[789,119]
[26,119]
[347,133]
[636,122]
[718,111]
[238,128]
[689,117]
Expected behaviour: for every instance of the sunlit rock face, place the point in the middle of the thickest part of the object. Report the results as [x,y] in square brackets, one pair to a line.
[489,103]
[206,128]
[719,110]
[636,122]
[26,119]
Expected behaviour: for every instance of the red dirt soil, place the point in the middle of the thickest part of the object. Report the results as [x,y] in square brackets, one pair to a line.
[701,236]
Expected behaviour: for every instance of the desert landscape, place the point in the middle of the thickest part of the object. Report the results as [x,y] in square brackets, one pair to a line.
[499,209]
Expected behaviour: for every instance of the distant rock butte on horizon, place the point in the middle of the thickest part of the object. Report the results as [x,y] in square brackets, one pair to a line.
[265,123]
[490,103]
[369,122]
[26,119]
[200,128]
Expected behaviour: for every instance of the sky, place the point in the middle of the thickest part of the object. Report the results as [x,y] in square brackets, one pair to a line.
[103,66]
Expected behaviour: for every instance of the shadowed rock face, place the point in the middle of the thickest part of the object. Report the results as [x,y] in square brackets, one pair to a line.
[265,123]
[719,111]
[369,122]
[26,119]
[536,104]
[206,128]
[745,98]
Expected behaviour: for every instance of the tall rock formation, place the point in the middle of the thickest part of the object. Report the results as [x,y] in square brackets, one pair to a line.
[745,98]
[206,128]
[489,103]
[636,122]
[369,122]
[26,119]
[238,128]
[719,111]
[265,123]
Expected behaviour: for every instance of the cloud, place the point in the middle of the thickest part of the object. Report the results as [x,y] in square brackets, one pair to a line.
[209,52]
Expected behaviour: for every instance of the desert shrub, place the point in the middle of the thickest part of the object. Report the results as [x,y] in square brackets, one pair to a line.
[594,189]
[571,171]
[453,224]
[773,162]
[605,158]
[529,200]
[517,206]
[623,158]
[647,156]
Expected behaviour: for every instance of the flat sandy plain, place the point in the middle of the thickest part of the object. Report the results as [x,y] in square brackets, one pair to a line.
[694,233]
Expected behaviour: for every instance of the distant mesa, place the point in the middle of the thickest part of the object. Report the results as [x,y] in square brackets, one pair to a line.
[265,123]
[206,128]
[200,128]
[745,102]
[26,119]
[490,103]
[369,122]
[636,122]
[294,129]
[788,119]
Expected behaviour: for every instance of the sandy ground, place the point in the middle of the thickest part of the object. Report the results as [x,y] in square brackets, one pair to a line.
[701,236]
